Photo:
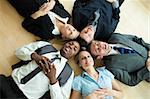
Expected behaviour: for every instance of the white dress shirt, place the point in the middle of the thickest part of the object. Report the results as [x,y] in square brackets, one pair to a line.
[112,52]
[53,16]
[39,84]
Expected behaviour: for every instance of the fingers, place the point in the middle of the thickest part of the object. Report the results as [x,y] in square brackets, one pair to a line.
[46,63]
[43,67]
[51,65]
[43,6]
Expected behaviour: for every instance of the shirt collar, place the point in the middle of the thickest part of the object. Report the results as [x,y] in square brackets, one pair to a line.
[97,69]
[112,51]
[62,59]
[53,17]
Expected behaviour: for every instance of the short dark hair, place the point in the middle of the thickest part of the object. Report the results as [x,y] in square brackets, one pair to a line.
[83,43]
[89,50]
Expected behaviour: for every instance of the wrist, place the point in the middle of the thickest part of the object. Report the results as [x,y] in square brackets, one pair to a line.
[33,55]
[36,15]
[52,82]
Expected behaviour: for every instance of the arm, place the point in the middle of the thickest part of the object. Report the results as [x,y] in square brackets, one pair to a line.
[101,93]
[38,22]
[131,79]
[24,53]
[75,95]
[115,13]
[97,94]
[44,9]
[63,91]
[139,41]
[57,91]
[116,90]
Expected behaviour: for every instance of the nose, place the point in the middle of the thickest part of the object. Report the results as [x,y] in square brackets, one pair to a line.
[96,46]
[70,46]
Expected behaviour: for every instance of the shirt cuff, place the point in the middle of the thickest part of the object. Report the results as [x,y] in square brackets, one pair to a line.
[54,87]
[55,90]
[115,4]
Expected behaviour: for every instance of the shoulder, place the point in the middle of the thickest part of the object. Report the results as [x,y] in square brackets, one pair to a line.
[105,72]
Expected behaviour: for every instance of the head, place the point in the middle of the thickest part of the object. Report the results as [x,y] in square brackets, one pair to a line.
[85,60]
[69,32]
[99,49]
[87,33]
[70,49]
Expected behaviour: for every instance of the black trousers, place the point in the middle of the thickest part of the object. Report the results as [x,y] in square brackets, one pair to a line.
[9,89]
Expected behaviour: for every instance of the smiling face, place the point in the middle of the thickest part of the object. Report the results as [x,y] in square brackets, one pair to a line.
[87,33]
[69,32]
[99,48]
[70,49]
[86,60]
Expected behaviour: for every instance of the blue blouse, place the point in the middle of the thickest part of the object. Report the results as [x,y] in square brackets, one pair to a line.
[85,84]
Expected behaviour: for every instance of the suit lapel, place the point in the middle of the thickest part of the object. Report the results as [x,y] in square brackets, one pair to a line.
[118,38]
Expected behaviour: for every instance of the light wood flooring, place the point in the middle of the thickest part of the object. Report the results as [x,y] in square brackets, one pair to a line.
[135,19]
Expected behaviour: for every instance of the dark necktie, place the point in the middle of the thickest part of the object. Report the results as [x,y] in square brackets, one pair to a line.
[34,72]
[124,50]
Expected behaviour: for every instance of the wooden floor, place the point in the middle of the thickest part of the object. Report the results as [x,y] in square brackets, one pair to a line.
[135,19]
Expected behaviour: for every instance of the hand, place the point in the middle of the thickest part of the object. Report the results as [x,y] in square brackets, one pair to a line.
[111,1]
[43,10]
[108,92]
[97,94]
[39,59]
[50,72]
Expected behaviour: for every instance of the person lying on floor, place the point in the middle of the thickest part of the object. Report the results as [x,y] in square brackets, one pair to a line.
[94,83]
[126,56]
[96,19]
[44,72]
[45,18]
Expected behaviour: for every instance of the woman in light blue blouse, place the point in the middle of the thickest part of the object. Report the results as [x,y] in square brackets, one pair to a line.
[94,83]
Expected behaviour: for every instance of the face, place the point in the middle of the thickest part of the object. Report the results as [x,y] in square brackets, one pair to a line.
[87,33]
[70,49]
[69,32]
[85,60]
[99,48]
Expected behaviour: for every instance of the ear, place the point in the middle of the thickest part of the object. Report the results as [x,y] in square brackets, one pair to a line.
[99,57]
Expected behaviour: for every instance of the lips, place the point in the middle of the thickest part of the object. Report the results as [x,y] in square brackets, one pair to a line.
[65,50]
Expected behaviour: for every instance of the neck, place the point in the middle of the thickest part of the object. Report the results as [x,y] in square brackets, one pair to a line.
[62,54]
[59,24]
[92,72]
[109,51]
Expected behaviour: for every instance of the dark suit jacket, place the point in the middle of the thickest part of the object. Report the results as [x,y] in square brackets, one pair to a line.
[128,68]
[83,10]
[43,25]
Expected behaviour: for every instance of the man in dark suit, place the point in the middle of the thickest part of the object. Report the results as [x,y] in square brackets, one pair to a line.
[130,66]
[96,19]
[45,18]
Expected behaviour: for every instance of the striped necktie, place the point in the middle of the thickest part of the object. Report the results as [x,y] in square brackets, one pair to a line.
[35,71]
[124,50]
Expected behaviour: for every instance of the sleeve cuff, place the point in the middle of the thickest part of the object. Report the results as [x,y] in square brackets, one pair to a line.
[55,90]
[54,87]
